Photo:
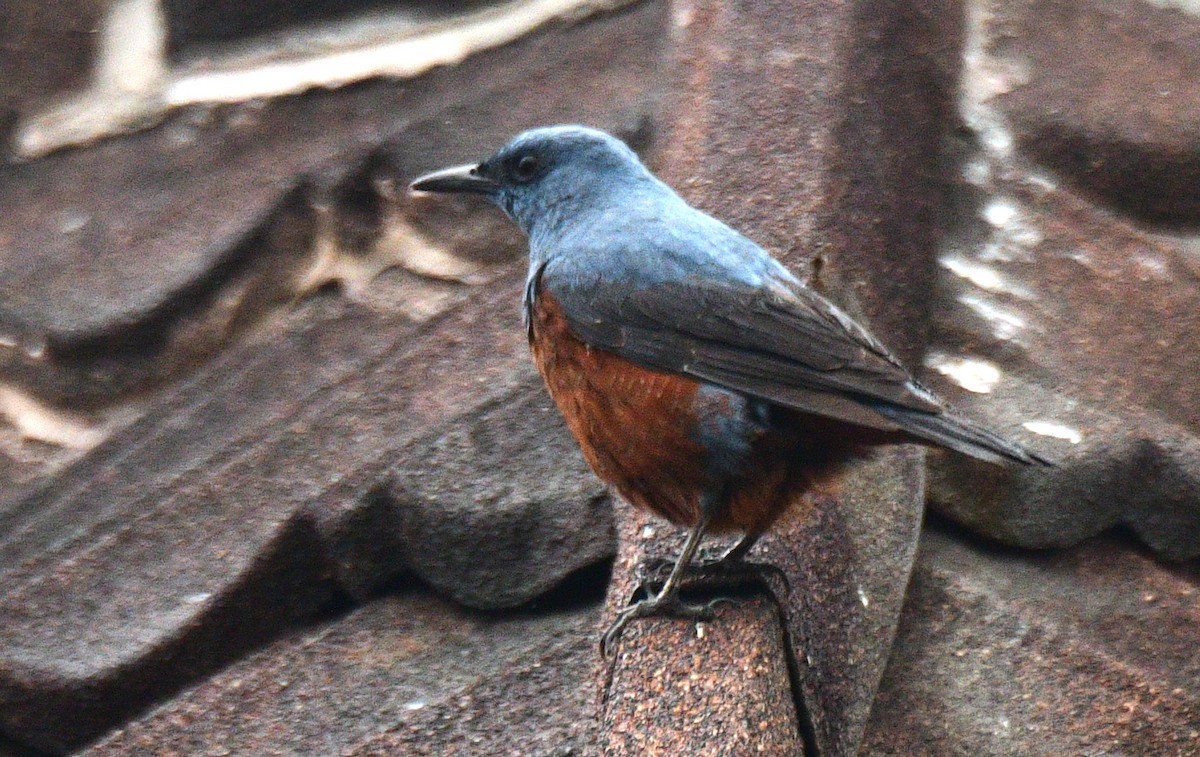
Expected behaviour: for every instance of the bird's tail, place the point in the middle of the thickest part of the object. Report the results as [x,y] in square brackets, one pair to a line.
[959,434]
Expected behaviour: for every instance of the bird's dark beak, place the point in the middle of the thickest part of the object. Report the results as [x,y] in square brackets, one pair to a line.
[459,179]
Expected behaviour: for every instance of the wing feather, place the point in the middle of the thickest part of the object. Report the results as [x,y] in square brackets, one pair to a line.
[782,342]
[694,297]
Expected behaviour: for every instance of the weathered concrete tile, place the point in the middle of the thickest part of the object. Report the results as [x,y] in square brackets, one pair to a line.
[122,577]
[1061,312]
[46,49]
[245,396]
[151,594]
[1132,469]
[539,705]
[367,682]
[189,214]
[217,414]
[1089,651]
[494,513]
[1106,99]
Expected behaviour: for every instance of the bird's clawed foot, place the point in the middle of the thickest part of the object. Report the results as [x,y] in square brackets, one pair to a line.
[667,601]
[661,604]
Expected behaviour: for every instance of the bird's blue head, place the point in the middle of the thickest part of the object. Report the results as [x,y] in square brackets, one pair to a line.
[547,175]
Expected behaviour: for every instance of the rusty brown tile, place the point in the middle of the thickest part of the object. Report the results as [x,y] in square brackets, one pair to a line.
[846,570]
[816,128]
[839,583]
[680,687]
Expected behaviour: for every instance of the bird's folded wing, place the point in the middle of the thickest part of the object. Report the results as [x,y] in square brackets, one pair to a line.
[779,341]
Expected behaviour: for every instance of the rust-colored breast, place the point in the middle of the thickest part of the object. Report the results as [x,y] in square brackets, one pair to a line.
[638,431]
[635,426]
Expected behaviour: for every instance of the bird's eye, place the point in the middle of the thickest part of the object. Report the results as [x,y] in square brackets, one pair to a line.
[526,168]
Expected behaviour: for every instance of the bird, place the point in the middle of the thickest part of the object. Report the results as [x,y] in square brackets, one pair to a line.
[703,381]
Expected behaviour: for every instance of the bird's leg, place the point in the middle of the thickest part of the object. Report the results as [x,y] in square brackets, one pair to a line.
[667,601]
[736,555]
[732,567]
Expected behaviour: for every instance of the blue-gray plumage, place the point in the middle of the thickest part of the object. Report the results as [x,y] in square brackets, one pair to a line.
[702,379]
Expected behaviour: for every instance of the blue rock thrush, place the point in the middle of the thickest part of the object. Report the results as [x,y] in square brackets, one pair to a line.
[702,380]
